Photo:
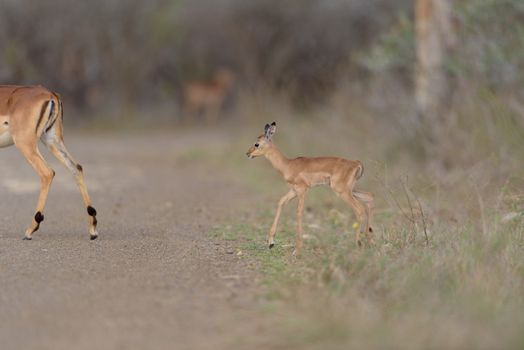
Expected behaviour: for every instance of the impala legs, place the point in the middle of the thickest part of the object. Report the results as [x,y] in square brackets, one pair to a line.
[367,198]
[46,174]
[283,201]
[360,212]
[301,193]
[57,148]
[300,215]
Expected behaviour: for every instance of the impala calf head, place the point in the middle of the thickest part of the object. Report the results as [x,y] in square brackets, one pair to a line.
[263,142]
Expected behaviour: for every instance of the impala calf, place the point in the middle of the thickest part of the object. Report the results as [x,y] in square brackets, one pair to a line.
[302,173]
[29,114]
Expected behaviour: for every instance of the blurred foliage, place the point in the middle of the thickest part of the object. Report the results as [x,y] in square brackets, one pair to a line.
[143,51]
[490,47]
[82,49]
[485,115]
[352,59]
[492,38]
[394,50]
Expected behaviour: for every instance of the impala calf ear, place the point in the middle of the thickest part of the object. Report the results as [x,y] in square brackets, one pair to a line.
[270,130]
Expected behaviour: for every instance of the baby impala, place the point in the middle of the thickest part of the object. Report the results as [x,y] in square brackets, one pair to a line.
[304,172]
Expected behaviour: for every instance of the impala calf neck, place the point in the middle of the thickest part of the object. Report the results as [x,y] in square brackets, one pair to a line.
[302,173]
[29,114]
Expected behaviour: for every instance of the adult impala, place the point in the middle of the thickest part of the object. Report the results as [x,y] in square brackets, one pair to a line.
[302,173]
[29,114]
[208,97]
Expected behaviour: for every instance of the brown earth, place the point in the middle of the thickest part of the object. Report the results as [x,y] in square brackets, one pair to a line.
[154,279]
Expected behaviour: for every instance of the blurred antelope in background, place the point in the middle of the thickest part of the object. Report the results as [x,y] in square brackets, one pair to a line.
[29,114]
[302,173]
[207,97]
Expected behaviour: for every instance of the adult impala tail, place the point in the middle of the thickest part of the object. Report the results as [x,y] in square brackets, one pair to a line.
[29,114]
[302,173]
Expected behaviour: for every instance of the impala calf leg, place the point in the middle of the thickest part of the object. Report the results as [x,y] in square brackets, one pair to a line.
[283,201]
[300,216]
[359,212]
[58,149]
[46,175]
[367,198]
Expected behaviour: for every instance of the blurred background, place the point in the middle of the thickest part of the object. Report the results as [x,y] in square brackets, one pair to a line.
[418,72]
[429,94]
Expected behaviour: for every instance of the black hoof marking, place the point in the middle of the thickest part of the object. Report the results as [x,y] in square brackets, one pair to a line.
[91,211]
[39,217]
[26,238]
[370,230]
[93,237]
[79,167]
[271,245]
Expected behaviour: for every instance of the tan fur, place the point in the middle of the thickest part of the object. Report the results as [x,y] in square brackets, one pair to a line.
[32,113]
[304,172]
[207,97]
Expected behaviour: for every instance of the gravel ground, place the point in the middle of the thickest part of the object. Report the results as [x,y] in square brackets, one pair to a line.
[153,280]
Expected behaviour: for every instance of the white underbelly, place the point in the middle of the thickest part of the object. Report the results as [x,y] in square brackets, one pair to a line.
[5,139]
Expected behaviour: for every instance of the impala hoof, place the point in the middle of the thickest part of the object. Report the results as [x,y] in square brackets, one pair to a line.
[93,237]
[271,245]
[26,238]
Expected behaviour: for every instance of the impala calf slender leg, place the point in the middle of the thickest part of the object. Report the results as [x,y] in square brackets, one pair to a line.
[58,149]
[367,198]
[46,175]
[300,216]
[283,201]
[360,213]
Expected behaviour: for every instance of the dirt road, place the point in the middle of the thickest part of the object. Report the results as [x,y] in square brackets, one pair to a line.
[153,280]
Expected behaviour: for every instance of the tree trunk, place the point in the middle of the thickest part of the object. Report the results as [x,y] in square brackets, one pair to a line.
[434,39]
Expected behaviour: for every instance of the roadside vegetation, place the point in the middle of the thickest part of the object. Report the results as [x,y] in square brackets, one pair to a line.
[446,270]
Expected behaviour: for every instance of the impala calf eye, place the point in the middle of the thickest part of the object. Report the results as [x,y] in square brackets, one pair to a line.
[256,145]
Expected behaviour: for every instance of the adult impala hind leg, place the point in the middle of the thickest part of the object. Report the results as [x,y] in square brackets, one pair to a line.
[281,203]
[46,174]
[57,147]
